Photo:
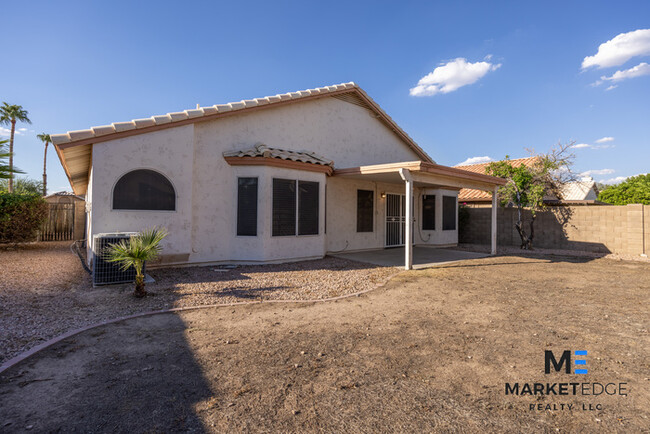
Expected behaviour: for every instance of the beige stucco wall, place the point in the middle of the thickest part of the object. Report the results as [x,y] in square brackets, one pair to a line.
[342,232]
[202,229]
[169,152]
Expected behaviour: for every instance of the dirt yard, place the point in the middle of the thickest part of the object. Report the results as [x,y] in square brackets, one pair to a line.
[430,351]
[44,291]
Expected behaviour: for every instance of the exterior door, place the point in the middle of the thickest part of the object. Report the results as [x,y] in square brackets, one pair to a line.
[395,219]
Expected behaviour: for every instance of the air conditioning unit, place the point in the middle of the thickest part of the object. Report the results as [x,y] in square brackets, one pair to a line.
[109,273]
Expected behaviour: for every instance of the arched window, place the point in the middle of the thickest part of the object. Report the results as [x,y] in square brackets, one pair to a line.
[144,190]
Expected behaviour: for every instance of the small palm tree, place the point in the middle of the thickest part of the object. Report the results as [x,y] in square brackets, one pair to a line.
[9,114]
[133,253]
[45,138]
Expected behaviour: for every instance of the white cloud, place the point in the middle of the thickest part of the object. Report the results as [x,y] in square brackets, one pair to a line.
[597,172]
[614,180]
[620,49]
[6,132]
[601,146]
[475,160]
[613,86]
[636,71]
[452,76]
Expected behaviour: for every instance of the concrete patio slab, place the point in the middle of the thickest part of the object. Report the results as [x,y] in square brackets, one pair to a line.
[423,257]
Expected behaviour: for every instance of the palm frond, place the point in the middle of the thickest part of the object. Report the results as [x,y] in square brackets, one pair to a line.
[136,250]
[9,112]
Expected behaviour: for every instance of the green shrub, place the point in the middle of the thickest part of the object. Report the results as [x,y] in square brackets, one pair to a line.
[21,216]
[633,190]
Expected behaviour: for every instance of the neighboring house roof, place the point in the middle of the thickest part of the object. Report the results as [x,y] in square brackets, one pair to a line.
[262,154]
[579,190]
[74,147]
[64,193]
[575,191]
[471,195]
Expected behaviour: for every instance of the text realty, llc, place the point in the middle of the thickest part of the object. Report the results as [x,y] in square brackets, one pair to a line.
[566,389]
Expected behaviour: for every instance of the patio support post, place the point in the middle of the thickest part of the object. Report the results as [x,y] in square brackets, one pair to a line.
[493,250]
[408,226]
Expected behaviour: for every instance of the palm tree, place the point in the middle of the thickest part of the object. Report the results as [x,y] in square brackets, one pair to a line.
[133,253]
[9,114]
[5,172]
[45,138]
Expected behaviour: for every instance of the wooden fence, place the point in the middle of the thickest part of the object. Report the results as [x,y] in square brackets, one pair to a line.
[60,223]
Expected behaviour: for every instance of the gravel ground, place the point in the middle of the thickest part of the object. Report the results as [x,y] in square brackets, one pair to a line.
[428,352]
[44,291]
[512,250]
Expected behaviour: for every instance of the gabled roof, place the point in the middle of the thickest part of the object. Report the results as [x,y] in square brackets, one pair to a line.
[74,147]
[578,190]
[470,195]
[64,194]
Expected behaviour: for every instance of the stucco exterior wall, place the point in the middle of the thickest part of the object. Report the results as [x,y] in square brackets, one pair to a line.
[169,152]
[202,229]
[342,232]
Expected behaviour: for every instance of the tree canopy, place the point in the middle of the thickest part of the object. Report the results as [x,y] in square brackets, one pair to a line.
[23,186]
[633,190]
[528,184]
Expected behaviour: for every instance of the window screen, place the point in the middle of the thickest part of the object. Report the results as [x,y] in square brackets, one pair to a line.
[247,206]
[365,206]
[448,213]
[284,207]
[428,212]
[307,208]
[144,190]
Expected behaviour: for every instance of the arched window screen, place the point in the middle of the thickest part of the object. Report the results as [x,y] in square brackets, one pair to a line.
[144,190]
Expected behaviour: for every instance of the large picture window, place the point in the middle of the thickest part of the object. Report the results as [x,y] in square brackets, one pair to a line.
[144,190]
[428,212]
[448,213]
[296,207]
[247,206]
[365,207]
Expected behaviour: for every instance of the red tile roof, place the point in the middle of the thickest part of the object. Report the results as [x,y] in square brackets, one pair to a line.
[471,195]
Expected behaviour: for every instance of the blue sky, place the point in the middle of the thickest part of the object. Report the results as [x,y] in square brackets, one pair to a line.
[74,65]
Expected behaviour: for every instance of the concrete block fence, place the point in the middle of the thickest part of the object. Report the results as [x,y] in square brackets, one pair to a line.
[599,228]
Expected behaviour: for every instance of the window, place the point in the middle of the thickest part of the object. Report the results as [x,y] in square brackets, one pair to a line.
[308,208]
[428,212]
[295,208]
[144,190]
[284,207]
[247,206]
[365,206]
[448,213]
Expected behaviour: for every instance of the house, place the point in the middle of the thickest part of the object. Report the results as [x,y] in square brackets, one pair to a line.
[582,192]
[286,177]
